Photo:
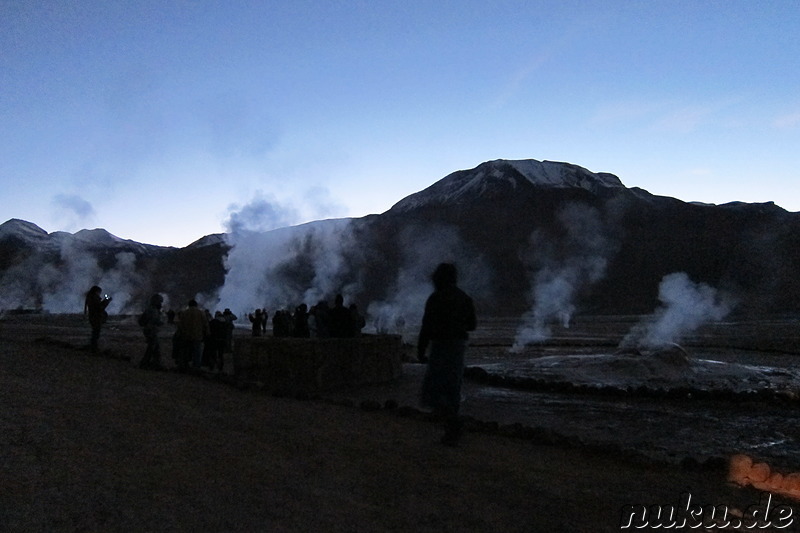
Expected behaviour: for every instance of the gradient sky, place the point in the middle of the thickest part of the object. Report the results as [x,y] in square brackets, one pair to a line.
[163,121]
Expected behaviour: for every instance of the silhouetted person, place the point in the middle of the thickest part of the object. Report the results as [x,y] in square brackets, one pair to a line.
[255,320]
[179,349]
[287,323]
[357,319]
[340,322]
[312,322]
[94,307]
[300,319]
[230,318]
[449,316]
[208,356]
[322,320]
[217,336]
[264,317]
[280,322]
[150,322]
[192,330]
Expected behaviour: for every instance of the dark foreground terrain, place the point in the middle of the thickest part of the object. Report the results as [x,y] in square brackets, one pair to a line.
[92,443]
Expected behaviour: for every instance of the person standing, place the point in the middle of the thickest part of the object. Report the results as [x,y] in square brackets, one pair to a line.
[357,319]
[219,329]
[300,322]
[192,330]
[322,320]
[150,321]
[230,318]
[255,320]
[448,318]
[340,324]
[94,307]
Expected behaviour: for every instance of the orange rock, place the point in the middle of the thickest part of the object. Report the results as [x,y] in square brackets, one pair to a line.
[739,468]
[759,472]
[775,481]
[791,481]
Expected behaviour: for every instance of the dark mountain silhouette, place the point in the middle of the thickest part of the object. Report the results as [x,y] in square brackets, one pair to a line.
[517,229]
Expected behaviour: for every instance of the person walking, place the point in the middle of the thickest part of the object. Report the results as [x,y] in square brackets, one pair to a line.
[448,318]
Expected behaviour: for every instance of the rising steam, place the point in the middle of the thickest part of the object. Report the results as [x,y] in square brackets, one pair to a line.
[563,266]
[60,287]
[262,213]
[423,248]
[686,306]
[282,268]
[305,264]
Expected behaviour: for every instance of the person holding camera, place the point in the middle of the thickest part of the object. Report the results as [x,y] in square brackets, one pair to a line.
[94,308]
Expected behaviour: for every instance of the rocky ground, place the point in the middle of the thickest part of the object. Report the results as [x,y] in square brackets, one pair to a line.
[92,443]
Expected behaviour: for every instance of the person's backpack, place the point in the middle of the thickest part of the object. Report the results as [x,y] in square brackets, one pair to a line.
[143,319]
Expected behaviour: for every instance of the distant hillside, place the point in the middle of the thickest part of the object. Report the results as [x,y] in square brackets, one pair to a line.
[524,234]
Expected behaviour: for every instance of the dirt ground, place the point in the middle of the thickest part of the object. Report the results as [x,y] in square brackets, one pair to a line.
[92,443]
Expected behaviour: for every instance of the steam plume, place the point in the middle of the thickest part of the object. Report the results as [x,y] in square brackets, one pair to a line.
[261,214]
[562,267]
[686,306]
[288,266]
[73,209]
[423,248]
[60,287]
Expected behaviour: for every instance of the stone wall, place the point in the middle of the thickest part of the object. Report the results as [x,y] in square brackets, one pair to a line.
[314,365]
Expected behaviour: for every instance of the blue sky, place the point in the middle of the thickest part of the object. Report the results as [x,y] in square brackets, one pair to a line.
[165,121]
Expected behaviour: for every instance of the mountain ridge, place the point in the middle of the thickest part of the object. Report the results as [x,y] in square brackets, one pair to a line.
[509,224]
[451,188]
[466,185]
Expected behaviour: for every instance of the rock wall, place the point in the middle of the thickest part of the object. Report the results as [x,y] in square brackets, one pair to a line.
[315,365]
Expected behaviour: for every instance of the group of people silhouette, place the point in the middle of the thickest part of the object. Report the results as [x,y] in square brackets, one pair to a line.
[202,340]
[319,322]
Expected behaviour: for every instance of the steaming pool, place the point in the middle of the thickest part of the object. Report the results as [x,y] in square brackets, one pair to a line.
[667,369]
[665,427]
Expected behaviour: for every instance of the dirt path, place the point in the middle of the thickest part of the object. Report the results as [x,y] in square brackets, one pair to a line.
[94,444]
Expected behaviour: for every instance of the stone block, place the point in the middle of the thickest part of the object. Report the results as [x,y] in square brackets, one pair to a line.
[316,365]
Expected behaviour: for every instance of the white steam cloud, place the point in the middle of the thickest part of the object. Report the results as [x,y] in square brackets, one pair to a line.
[261,214]
[274,265]
[561,268]
[269,254]
[64,288]
[686,306]
[61,287]
[264,212]
[309,263]
[263,268]
[74,210]
[423,248]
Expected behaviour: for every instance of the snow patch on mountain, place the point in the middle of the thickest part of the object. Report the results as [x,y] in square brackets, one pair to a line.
[97,236]
[493,175]
[21,229]
[89,239]
[210,240]
[562,175]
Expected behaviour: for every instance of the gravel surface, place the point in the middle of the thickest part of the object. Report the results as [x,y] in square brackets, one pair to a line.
[95,444]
